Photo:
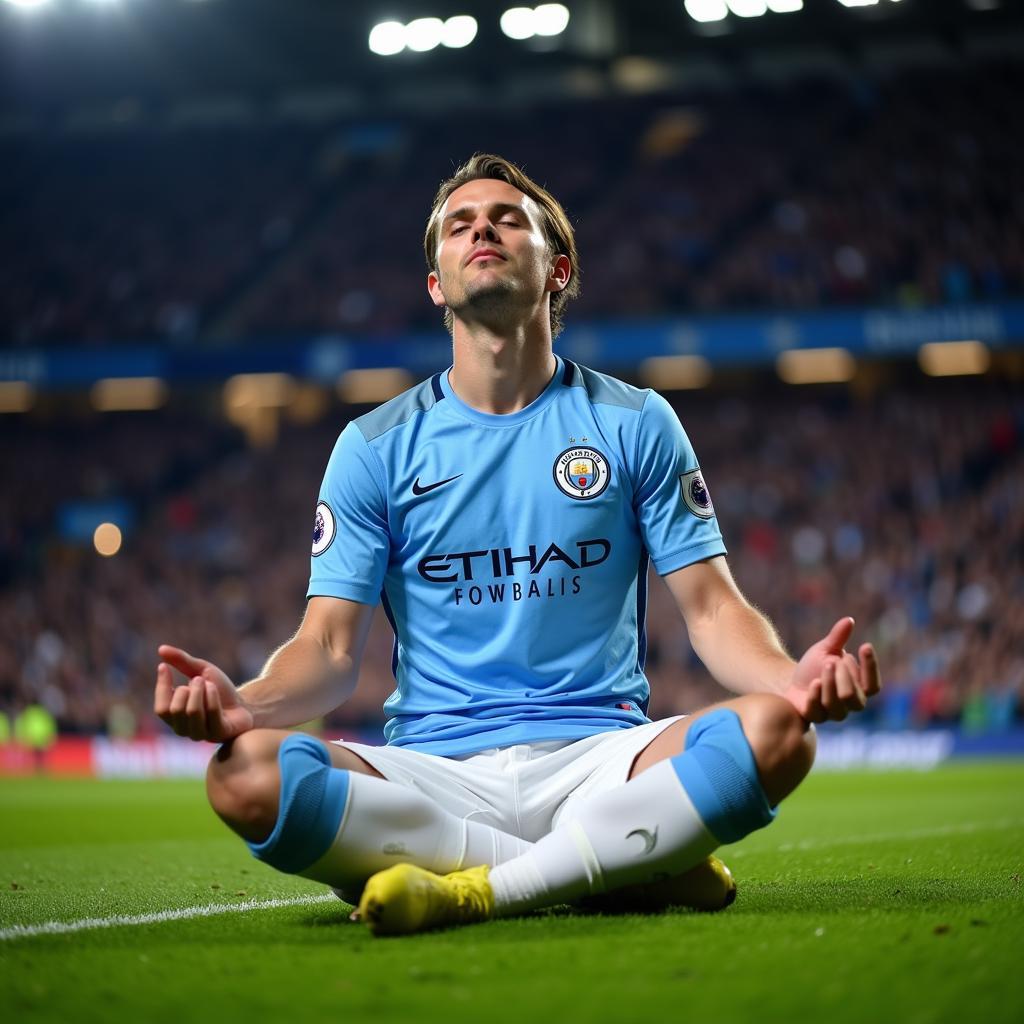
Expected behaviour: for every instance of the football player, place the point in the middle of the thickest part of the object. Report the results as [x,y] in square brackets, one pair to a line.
[505,512]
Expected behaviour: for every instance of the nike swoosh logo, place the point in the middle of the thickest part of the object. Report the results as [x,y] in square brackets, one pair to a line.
[416,489]
[650,838]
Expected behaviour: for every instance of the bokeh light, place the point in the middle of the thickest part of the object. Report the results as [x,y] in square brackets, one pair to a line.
[459,31]
[388,38]
[107,539]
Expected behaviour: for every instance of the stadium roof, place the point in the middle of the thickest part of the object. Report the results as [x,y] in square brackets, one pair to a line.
[59,52]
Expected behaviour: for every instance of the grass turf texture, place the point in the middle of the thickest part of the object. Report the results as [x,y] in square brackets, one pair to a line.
[887,896]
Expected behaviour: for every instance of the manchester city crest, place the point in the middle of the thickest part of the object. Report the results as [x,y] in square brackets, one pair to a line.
[323,528]
[582,473]
[695,494]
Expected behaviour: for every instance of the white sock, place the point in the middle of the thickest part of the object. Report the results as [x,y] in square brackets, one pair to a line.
[644,831]
[386,824]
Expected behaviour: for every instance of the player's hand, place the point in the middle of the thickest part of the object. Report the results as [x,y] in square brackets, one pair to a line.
[829,682]
[207,706]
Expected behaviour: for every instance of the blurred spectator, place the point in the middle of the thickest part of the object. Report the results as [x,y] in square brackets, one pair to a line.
[133,238]
[804,196]
[921,542]
[36,729]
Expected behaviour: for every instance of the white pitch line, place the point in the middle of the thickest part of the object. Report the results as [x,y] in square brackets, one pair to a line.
[889,837]
[24,931]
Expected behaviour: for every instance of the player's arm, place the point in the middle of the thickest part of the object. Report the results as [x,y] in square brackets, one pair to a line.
[309,676]
[742,650]
[737,644]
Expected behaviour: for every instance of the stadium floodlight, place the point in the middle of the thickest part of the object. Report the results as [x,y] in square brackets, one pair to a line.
[16,396]
[128,394]
[518,23]
[785,6]
[953,358]
[858,3]
[459,31]
[387,38]
[372,386]
[550,19]
[706,10]
[676,373]
[748,8]
[815,365]
[424,34]
[258,391]
[526,22]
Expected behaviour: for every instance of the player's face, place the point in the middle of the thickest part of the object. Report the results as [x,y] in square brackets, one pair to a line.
[492,257]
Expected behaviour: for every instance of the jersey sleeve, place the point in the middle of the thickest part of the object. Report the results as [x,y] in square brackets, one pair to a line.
[351,540]
[673,506]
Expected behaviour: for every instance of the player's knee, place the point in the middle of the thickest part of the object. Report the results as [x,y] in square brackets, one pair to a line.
[781,741]
[243,784]
[309,804]
[720,773]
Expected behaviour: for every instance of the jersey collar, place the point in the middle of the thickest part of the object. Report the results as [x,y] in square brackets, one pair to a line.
[545,398]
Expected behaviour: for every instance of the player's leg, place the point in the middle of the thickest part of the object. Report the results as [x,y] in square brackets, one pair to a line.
[243,780]
[706,780]
[709,780]
[783,754]
[319,810]
[780,741]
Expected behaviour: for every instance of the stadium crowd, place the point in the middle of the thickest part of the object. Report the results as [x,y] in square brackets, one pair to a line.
[921,540]
[899,191]
[142,236]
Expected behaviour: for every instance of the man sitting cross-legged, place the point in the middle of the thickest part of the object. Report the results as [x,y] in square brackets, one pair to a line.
[505,511]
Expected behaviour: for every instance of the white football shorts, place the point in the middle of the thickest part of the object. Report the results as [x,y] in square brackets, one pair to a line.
[525,789]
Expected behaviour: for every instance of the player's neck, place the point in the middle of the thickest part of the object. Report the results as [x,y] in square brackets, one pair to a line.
[501,374]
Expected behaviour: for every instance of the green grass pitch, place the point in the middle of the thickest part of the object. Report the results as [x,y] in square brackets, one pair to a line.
[874,897]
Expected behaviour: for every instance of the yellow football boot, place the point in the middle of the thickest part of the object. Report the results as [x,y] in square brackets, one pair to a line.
[707,886]
[406,899]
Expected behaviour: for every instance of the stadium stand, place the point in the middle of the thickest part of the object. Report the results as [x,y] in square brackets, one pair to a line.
[814,194]
[138,237]
[921,542]
[900,192]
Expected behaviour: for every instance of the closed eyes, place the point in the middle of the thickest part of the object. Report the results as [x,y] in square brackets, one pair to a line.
[509,221]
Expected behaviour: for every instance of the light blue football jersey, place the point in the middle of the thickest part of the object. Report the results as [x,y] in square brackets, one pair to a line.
[511,553]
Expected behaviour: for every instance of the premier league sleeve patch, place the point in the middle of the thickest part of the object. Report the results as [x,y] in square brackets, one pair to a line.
[582,473]
[695,494]
[323,528]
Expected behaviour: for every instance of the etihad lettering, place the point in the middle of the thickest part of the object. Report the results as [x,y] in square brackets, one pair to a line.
[469,565]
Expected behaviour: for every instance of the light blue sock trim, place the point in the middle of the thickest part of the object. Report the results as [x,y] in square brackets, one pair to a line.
[313,798]
[718,772]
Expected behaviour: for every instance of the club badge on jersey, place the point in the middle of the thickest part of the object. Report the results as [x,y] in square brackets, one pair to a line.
[583,473]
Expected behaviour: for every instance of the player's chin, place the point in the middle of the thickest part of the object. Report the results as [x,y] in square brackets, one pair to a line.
[489,292]
[487,279]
